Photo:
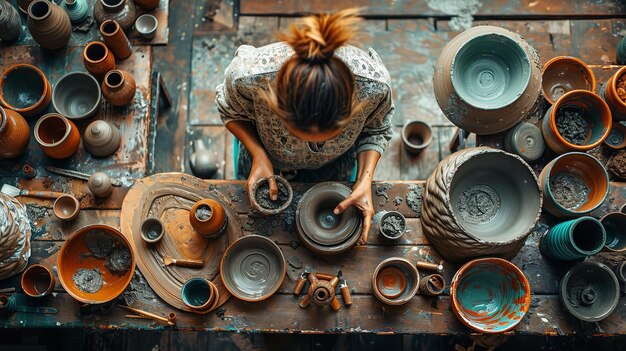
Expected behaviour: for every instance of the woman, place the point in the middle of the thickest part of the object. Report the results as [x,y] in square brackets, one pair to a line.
[310,106]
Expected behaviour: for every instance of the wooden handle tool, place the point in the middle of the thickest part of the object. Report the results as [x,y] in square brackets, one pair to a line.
[167,260]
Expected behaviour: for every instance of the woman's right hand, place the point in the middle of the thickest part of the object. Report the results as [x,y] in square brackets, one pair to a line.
[262,168]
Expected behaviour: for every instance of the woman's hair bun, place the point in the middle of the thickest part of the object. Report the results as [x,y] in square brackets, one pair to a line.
[317,37]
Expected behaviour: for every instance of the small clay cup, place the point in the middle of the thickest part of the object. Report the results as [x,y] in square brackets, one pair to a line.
[147,25]
[595,110]
[38,281]
[614,224]
[66,207]
[256,206]
[617,137]
[395,281]
[25,89]
[98,59]
[609,94]
[416,136]
[152,230]
[490,295]
[620,272]
[208,218]
[526,141]
[76,95]
[573,240]
[589,291]
[582,166]
[390,214]
[432,285]
[563,74]
[198,293]
[57,136]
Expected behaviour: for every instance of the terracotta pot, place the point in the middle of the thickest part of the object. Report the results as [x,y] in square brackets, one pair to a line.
[416,136]
[563,74]
[469,199]
[49,24]
[392,225]
[614,224]
[118,88]
[486,91]
[71,258]
[617,137]
[10,22]
[620,52]
[589,291]
[620,272]
[526,141]
[591,178]
[57,135]
[204,162]
[38,281]
[253,268]
[490,295]
[319,228]
[593,109]
[100,185]
[102,138]
[14,134]
[76,95]
[260,202]
[14,237]
[395,281]
[610,94]
[147,4]
[208,218]
[77,10]
[573,240]
[25,89]
[122,11]
[98,59]
[432,285]
[198,293]
[146,26]
[66,207]
[152,230]
[115,39]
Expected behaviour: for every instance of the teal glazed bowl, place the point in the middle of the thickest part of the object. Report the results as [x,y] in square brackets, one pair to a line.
[490,295]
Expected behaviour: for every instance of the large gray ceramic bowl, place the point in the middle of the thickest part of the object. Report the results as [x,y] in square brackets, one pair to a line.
[76,95]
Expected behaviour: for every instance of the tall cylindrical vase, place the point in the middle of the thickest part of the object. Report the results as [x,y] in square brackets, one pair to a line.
[574,240]
[49,24]
[115,39]
[10,22]
[14,133]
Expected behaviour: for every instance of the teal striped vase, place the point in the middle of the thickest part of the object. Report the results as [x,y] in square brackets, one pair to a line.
[77,10]
[574,240]
[621,52]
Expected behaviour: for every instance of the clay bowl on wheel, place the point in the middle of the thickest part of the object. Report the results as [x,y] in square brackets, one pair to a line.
[490,295]
[563,74]
[76,95]
[395,281]
[253,268]
[94,257]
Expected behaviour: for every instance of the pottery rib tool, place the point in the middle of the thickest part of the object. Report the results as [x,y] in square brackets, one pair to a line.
[167,260]
[144,314]
[78,175]
[15,191]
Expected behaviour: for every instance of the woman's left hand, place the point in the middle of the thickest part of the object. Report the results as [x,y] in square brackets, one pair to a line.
[361,197]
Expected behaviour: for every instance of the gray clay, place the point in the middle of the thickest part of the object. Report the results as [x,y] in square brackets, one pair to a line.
[479,204]
[414,199]
[203,213]
[88,280]
[572,125]
[569,190]
[393,225]
[99,243]
[262,196]
[119,260]
[398,200]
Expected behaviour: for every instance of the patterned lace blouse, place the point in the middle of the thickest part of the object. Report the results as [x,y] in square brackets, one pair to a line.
[253,69]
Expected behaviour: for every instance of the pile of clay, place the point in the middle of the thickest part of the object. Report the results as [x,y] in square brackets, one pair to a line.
[262,196]
[393,225]
[569,190]
[572,124]
[203,213]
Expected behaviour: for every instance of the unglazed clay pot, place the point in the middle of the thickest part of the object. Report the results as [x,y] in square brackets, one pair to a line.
[253,268]
[76,95]
[10,22]
[38,281]
[100,185]
[208,218]
[490,295]
[57,135]
[49,24]
[115,39]
[480,202]
[198,293]
[122,11]
[611,96]
[593,109]
[98,59]
[77,10]
[614,224]
[14,237]
[576,179]
[573,240]
[118,88]
[617,137]
[416,136]
[395,281]
[66,207]
[525,140]
[152,230]
[147,25]
[484,90]
[147,4]
[25,89]
[14,133]
[563,74]
[102,138]
[261,201]
[319,228]
[620,52]
[589,291]
[432,285]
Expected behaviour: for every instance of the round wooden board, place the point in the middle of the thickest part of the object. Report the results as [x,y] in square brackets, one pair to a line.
[169,197]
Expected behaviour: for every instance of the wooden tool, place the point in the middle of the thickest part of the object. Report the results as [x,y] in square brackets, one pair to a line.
[146,315]
[14,191]
[167,260]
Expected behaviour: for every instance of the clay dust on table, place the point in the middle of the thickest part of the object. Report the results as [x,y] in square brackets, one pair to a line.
[88,280]
[414,199]
[572,124]
[262,196]
[393,225]
[569,190]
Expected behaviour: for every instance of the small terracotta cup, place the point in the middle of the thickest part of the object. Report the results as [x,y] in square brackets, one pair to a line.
[152,230]
[66,207]
[208,218]
[617,137]
[57,135]
[38,281]
[563,74]
[147,26]
[395,281]
[198,294]
[416,136]
[610,95]
[25,89]
[98,59]
[614,224]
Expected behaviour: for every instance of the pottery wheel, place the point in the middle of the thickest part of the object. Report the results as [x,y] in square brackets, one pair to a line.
[169,197]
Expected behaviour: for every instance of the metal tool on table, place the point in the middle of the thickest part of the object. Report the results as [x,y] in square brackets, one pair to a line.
[169,320]
[15,191]
[168,260]
[437,267]
[78,175]
[8,305]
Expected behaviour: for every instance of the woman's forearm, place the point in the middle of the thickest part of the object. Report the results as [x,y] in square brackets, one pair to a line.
[245,132]
[367,161]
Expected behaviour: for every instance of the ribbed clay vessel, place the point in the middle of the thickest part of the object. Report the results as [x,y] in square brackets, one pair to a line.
[49,24]
[14,237]
[101,138]
[57,135]
[77,10]
[98,59]
[147,4]
[119,88]
[115,39]
[14,133]
[10,22]
[487,79]
[122,11]
[480,202]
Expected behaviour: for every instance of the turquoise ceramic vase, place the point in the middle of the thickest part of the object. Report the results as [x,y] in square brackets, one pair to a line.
[77,10]
[574,240]
[621,52]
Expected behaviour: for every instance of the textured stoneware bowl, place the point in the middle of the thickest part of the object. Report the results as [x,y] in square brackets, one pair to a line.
[256,206]
[76,95]
[402,223]
[38,281]
[574,240]
[253,268]
[480,202]
[66,207]
[74,254]
[484,90]
[147,25]
[582,166]
[490,295]
[152,230]
[395,281]
[416,136]
[617,137]
[614,224]
[25,89]
[589,291]
[525,140]
[563,74]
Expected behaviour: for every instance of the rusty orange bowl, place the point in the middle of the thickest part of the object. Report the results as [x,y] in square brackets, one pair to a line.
[75,254]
